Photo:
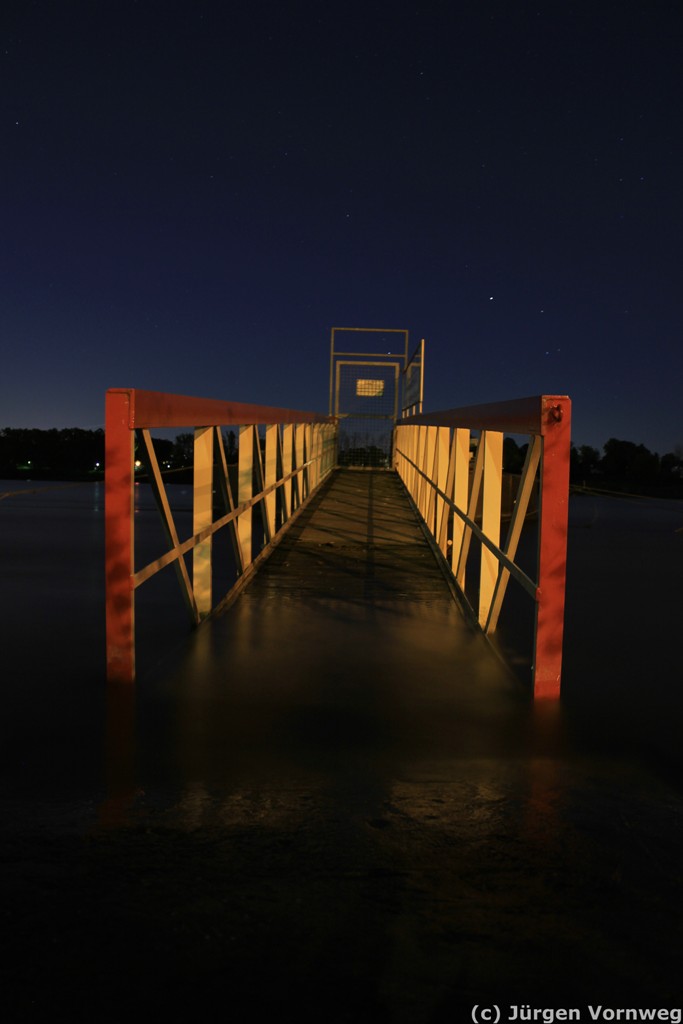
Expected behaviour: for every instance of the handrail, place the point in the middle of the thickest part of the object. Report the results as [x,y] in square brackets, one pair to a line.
[432,457]
[279,476]
[413,383]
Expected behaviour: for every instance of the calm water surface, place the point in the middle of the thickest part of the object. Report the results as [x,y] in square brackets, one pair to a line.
[622,677]
[395,841]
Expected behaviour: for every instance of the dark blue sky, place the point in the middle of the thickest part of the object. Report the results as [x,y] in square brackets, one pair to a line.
[194,193]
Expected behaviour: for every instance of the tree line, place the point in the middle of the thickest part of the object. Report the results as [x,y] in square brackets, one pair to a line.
[621,466]
[77,454]
[628,467]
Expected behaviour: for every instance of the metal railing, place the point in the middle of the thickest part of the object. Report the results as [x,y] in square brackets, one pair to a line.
[458,501]
[276,474]
[413,383]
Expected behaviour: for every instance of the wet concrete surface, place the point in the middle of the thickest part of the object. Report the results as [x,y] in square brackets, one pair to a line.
[334,804]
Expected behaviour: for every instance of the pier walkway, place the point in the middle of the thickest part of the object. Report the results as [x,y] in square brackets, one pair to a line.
[348,638]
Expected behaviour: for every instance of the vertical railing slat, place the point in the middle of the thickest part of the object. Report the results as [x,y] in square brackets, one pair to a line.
[461,457]
[492,441]
[202,516]
[287,465]
[245,490]
[441,473]
[270,479]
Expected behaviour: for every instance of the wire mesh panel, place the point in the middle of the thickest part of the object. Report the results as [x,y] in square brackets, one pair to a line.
[367,389]
[366,402]
[366,368]
[364,442]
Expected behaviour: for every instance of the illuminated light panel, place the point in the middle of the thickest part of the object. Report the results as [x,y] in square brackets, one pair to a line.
[369,388]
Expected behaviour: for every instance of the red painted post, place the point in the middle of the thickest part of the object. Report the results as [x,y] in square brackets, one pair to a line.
[552,546]
[119,538]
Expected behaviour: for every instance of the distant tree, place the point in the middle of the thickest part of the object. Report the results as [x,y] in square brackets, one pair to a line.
[183,450]
[230,445]
[671,468]
[513,456]
[630,464]
[589,459]
[51,454]
[165,451]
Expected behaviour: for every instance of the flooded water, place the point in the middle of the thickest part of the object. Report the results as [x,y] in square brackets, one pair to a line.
[624,604]
[622,655]
[301,840]
[621,681]
[52,597]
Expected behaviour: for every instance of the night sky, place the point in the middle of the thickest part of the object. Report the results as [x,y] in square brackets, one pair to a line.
[194,193]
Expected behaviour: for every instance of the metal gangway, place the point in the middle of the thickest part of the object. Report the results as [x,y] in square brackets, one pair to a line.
[376,458]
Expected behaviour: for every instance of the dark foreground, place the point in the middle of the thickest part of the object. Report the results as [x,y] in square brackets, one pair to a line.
[333,805]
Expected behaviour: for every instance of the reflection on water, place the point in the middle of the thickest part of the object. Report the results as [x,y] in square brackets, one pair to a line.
[342,804]
[119,756]
[202,715]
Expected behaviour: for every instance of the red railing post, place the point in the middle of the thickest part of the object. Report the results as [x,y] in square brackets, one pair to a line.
[552,546]
[119,537]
